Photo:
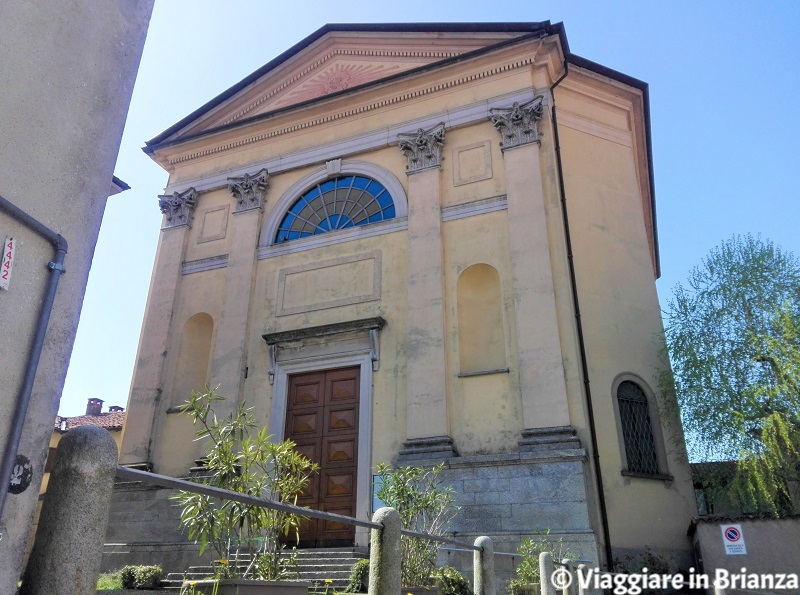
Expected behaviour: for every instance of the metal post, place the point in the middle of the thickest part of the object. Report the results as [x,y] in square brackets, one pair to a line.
[385,554]
[483,567]
[72,527]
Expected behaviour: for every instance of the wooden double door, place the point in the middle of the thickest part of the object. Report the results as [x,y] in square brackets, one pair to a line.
[322,419]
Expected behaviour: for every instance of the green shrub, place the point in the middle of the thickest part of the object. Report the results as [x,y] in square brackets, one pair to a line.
[140,577]
[127,577]
[451,582]
[147,577]
[359,577]
[425,505]
[529,550]
[109,581]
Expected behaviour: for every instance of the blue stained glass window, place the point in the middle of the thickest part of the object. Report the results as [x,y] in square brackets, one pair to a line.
[339,203]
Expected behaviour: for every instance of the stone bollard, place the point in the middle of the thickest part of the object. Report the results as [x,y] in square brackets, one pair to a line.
[483,567]
[385,555]
[570,587]
[67,552]
[546,569]
[580,573]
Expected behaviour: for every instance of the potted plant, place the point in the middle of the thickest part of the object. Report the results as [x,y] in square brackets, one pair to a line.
[245,538]
[528,581]
[425,506]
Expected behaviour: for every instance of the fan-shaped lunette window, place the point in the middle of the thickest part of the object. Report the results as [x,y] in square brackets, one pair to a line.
[339,203]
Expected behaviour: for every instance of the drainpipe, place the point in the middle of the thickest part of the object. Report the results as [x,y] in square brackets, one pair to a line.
[56,270]
[601,497]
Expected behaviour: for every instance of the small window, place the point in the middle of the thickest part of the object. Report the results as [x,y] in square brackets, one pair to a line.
[51,459]
[637,430]
[339,203]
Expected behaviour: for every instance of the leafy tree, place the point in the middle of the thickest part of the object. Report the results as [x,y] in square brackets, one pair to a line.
[733,334]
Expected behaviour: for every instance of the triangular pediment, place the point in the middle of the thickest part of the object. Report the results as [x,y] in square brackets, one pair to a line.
[335,59]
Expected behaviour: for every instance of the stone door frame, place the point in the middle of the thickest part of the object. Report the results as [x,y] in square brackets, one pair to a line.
[317,363]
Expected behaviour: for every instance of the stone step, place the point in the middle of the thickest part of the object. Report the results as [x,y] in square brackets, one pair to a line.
[323,567]
[314,565]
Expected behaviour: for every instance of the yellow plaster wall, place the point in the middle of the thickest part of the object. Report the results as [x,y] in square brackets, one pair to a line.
[622,326]
[197,293]
[484,411]
[389,380]
[455,143]
[212,218]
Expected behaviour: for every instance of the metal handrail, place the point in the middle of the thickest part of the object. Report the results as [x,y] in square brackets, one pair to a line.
[467,546]
[199,488]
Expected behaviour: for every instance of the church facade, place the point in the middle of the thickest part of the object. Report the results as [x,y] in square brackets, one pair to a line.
[413,244]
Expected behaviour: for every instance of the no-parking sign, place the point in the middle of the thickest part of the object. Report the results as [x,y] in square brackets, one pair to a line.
[733,540]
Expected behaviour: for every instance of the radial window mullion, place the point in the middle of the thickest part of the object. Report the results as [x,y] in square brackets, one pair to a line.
[322,201]
[322,208]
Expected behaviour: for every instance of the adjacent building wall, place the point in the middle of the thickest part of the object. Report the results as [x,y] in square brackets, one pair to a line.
[67,69]
[773,546]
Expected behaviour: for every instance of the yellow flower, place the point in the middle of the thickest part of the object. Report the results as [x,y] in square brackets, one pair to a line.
[329,581]
[193,583]
[223,561]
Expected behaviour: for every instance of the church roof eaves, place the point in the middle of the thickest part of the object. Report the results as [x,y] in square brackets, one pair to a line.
[528,29]
[544,26]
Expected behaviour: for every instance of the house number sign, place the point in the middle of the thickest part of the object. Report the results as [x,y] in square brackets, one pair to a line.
[8,261]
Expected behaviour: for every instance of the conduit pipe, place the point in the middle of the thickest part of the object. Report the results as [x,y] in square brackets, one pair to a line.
[56,267]
[601,497]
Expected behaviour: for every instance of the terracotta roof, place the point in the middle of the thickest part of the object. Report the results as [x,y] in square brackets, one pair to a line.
[111,420]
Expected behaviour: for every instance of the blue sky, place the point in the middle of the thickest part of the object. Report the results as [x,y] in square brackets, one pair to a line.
[724,84]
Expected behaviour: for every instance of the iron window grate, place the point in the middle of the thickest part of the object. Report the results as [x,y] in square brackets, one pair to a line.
[637,431]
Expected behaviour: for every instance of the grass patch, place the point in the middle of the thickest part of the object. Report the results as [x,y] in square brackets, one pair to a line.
[109,581]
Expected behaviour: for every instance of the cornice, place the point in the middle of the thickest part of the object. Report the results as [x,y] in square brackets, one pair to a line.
[531,58]
[344,147]
[204,264]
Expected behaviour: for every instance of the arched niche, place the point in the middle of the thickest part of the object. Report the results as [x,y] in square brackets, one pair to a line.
[194,357]
[481,332]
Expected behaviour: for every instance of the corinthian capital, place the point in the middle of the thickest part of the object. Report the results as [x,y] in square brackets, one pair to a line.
[178,207]
[249,190]
[518,124]
[423,148]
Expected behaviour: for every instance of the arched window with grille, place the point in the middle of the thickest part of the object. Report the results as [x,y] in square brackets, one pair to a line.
[637,429]
[338,203]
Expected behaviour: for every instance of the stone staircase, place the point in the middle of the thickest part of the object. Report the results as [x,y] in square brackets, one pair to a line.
[315,566]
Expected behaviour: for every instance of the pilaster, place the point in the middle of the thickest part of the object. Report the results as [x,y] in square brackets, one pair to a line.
[427,429]
[541,369]
[148,375]
[230,346]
